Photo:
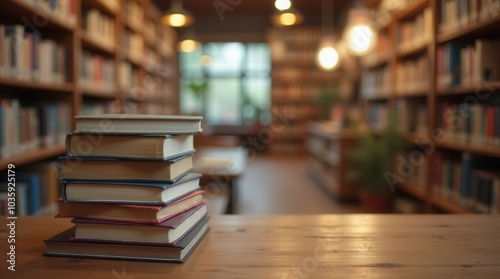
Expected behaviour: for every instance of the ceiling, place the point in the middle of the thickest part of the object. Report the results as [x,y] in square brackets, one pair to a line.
[248,20]
[250,7]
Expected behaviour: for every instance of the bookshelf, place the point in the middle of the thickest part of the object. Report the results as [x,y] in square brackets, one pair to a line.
[438,78]
[296,83]
[65,58]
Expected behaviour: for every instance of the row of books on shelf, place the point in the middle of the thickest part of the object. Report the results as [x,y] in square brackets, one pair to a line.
[291,93]
[296,111]
[127,199]
[28,127]
[62,10]
[134,14]
[113,5]
[305,56]
[25,55]
[97,72]
[457,14]
[36,188]
[415,32]
[468,181]
[133,44]
[97,107]
[100,26]
[128,77]
[413,117]
[294,74]
[413,76]
[381,51]
[468,64]
[475,124]
[377,116]
[299,36]
[376,82]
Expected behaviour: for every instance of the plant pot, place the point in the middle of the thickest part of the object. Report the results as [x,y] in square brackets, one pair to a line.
[374,202]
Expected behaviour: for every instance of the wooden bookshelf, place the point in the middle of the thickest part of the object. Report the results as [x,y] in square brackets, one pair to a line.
[293,65]
[66,89]
[33,156]
[435,96]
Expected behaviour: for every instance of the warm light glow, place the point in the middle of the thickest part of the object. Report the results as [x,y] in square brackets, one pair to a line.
[360,39]
[288,19]
[205,60]
[328,58]
[282,4]
[177,20]
[188,45]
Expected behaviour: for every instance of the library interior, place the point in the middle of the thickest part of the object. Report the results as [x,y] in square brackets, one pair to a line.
[242,137]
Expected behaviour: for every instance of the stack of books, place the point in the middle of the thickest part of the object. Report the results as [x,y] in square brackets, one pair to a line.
[128,184]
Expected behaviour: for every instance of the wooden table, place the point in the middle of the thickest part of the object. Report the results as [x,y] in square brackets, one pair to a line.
[222,166]
[291,246]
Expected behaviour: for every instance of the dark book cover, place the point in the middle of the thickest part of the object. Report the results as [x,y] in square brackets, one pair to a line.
[160,185]
[60,245]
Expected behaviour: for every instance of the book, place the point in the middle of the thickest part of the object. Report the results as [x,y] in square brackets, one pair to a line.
[128,212]
[61,245]
[124,146]
[156,193]
[138,124]
[168,231]
[108,169]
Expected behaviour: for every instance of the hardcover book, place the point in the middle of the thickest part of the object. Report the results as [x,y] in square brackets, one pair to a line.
[129,213]
[150,193]
[62,246]
[168,231]
[126,146]
[138,124]
[108,169]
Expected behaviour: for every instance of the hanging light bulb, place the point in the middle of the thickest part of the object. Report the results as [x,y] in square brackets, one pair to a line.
[286,14]
[189,42]
[283,4]
[176,16]
[360,37]
[327,56]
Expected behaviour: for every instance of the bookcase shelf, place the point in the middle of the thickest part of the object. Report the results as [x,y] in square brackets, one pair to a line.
[432,92]
[18,9]
[37,86]
[91,43]
[487,26]
[415,7]
[459,90]
[99,93]
[297,81]
[475,149]
[33,156]
[412,51]
[85,73]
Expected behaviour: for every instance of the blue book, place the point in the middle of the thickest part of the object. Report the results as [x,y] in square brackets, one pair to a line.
[34,184]
[465,191]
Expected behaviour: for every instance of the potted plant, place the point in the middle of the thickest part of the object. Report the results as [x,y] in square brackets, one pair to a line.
[198,88]
[325,100]
[373,159]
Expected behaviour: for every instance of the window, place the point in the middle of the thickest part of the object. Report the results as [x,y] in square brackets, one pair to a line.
[238,83]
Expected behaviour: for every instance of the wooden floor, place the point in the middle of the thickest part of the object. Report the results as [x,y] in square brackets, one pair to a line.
[280,185]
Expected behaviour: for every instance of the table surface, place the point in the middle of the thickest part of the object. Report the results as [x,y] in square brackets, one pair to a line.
[291,246]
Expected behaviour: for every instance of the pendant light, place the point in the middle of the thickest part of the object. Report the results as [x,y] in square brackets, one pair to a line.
[360,36]
[286,14]
[327,57]
[283,4]
[188,43]
[177,16]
